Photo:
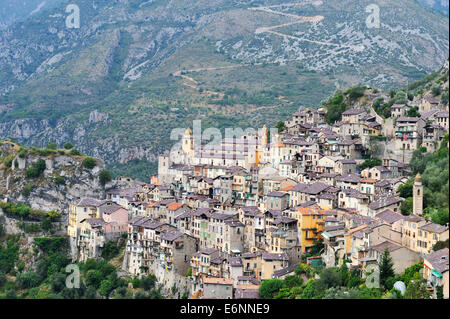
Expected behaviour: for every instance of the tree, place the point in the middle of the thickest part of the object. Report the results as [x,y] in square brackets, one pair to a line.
[89,162]
[310,290]
[440,292]
[269,287]
[329,277]
[104,177]
[410,273]
[140,295]
[445,97]
[2,278]
[369,163]
[440,215]
[10,294]
[36,170]
[59,180]
[28,280]
[94,278]
[355,279]
[148,282]
[91,293]
[436,89]
[400,98]
[406,190]
[31,172]
[344,273]
[74,152]
[440,245]
[57,282]
[68,145]
[110,250]
[40,165]
[417,289]
[280,126]
[335,108]
[413,112]
[292,281]
[386,268]
[46,223]
[407,206]
[106,287]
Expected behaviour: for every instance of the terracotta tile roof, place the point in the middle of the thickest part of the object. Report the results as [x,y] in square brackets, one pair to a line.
[174,206]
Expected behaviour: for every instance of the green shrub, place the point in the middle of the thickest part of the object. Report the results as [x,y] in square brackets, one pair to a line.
[28,280]
[270,287]
[74,152]
[27,190]
[59,180]
[105,177]
[89,162]
[68,145]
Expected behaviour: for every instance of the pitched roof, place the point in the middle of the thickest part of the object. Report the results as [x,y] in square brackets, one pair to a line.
[171,235]
[235,261]
[349,178]
[434,228]
[384,202]
[174,206]
[277,194]
[274,256]
[389,216]
[439,260]
[88,201]
[386,244]
[353,112]
[284,271]
[407,119]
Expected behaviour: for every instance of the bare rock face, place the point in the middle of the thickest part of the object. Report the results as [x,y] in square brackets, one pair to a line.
[96,116]
[64,181]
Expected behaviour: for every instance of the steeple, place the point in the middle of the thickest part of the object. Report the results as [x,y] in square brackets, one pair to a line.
[188,142]
[417,195]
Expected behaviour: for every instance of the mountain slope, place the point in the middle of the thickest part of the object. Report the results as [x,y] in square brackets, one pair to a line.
[13,11]
[439,5]
[136,69]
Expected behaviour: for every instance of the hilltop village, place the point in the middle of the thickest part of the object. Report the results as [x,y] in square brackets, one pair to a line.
[219,220]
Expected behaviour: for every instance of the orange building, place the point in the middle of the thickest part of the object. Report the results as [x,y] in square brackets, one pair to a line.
[310,222]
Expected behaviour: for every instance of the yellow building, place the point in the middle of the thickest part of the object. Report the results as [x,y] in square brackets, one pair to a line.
[85,208]
[420,235]
[371,129]
[310,221]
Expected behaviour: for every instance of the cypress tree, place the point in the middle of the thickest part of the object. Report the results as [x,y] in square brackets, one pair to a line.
[386,267]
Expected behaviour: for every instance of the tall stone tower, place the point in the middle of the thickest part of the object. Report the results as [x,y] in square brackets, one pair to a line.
[263,137]
[417,195]
[188,143]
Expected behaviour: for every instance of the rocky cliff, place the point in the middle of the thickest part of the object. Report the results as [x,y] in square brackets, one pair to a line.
[63,181]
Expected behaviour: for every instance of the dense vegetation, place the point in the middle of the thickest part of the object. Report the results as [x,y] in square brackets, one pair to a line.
[369,163]
[434,171]
[335,107]
[342,283]
[99,278]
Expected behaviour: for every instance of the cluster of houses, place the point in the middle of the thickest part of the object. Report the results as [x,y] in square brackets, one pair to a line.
[219,219]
